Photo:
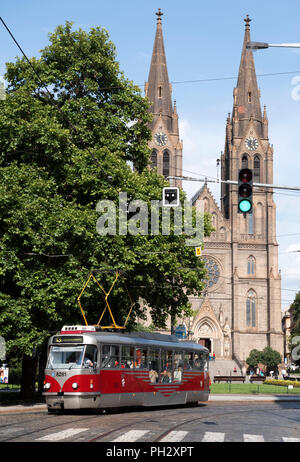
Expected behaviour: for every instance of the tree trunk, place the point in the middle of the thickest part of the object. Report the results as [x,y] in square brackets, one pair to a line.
[29,364]
[42,359]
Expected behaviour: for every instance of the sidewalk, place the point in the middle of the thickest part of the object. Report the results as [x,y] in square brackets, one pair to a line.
[212,398]
[23,408]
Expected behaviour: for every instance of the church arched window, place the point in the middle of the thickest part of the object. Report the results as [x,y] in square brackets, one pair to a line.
[153,159]
[166,163]
[251,265]
[245,161]
[222,233]
[206,204]
[214,219]
[256,169]
[251,303]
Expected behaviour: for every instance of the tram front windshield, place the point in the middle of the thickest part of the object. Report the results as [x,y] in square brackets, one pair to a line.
[65,357]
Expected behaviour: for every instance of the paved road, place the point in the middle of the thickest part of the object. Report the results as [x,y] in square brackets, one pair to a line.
[212,422]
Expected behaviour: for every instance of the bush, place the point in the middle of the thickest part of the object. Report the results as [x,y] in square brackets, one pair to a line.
[283,383]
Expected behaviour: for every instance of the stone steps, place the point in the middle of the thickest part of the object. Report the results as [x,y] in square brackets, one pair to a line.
[223,367]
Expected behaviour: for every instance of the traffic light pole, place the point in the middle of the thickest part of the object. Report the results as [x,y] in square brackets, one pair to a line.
[255,185]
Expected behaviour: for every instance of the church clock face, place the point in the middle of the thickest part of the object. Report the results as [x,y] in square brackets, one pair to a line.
[160,138]
[213,271]
[251,143]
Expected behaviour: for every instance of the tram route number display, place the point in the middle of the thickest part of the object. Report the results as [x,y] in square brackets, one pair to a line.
[68,339]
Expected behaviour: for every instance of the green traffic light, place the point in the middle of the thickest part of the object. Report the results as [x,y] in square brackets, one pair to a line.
[245,206]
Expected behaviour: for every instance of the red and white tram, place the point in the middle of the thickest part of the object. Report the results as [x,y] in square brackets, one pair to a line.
[87,368]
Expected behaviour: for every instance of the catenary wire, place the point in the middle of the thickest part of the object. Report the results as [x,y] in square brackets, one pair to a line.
[173,82]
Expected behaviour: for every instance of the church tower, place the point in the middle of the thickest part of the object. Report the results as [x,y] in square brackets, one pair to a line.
[246,131]
[244,286]
[166,147]
[253,236]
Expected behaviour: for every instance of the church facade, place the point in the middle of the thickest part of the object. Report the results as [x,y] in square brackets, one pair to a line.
[241,307]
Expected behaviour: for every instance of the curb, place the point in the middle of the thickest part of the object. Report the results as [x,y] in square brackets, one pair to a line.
[22,408]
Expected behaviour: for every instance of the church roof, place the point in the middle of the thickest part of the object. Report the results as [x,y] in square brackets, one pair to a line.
[205,190]
[197,195]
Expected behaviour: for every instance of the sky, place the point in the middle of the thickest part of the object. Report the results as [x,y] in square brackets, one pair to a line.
[203,42]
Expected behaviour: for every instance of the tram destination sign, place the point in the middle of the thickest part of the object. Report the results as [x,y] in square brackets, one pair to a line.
[68,339]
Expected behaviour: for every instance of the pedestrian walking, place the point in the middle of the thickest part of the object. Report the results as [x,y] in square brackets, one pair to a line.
[283,373]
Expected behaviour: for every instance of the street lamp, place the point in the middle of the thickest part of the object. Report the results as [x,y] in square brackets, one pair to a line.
[261,45]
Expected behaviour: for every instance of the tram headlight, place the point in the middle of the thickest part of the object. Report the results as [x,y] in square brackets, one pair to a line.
[47,386]
[75,385]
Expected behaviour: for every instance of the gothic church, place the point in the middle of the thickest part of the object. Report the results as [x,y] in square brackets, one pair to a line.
[241,308]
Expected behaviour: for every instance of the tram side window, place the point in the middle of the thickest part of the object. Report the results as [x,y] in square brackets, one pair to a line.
[127,357]
[110,356]
[153,366]
[90,356]
[206,359]
[199,360]
[178,366]
[188,361]
[166,366]
[141,358]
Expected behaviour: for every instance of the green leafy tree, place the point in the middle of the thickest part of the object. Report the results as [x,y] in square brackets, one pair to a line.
[294,342]
[255,357]
[64,147]
[270,358]
[295,310]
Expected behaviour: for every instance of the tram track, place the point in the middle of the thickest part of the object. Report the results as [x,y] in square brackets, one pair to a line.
[166,432]
[89,418]
[175,427]
[172,428]
[32,416]
[67,422]
[132,420]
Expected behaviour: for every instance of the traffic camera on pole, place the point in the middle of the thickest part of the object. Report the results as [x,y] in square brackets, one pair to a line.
[245,191]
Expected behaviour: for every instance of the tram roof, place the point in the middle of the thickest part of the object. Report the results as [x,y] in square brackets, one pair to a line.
[139,338]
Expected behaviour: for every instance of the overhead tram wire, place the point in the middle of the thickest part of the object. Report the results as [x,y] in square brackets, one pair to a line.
[42,83]
[173,82]
[232,78]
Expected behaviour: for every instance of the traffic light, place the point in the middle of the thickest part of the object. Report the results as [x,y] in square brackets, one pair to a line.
[170,197]
[245,191]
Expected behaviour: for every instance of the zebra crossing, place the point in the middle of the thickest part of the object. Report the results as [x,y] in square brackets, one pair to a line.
[172,437]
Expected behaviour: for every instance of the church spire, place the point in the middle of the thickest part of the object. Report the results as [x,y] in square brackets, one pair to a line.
[246,94]
[158,89]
